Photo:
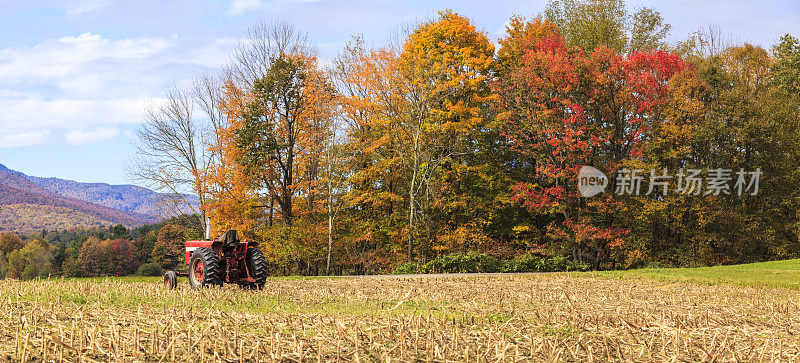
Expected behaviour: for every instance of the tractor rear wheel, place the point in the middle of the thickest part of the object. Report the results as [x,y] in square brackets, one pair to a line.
[204,268]
[170,280]
[257,265]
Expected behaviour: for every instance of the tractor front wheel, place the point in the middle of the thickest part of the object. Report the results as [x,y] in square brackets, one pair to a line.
[204,268]
[170,280]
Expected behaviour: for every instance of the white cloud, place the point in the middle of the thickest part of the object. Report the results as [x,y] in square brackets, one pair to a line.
[36,113]
[24,139]
[85,81]
[71,55]
[100,134]
[80,7]
[239,7]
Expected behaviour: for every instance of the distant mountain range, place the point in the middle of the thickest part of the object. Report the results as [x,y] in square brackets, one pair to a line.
[32,203]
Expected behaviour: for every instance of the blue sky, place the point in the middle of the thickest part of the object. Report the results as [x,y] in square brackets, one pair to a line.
[76,75]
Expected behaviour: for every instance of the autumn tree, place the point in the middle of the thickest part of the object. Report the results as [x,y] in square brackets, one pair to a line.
[71,267]
[253,59]
[589,24]
[744,119]
[31,261]
[280,130]
[517,40]
[14,264]
[367,81]
[564,109]
[10,242]
[271,152]
[787,63]
[144,246]
[445,64]
[125,260]
[169,247]
[416,116]
[108,257]
[94,259]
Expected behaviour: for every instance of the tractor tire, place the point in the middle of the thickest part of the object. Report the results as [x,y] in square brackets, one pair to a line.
[204,268]
[257,265]
[170,280]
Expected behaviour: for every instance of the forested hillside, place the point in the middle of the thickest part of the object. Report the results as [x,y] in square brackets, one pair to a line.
[31,218]
[128,198]
[27,207]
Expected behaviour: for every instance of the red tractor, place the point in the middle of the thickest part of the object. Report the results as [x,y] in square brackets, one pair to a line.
[226,259]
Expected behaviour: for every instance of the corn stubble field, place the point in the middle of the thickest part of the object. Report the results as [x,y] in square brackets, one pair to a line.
[545,317]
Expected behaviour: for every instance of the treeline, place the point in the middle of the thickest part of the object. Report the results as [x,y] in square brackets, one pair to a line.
[444,142]
[28,218]
[101,251]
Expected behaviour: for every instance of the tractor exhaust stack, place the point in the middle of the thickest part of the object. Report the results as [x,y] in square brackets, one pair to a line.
[208,229]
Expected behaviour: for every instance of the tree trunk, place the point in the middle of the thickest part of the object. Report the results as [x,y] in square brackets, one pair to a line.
[411,194]
[330,221]
[411,213]
[271,208]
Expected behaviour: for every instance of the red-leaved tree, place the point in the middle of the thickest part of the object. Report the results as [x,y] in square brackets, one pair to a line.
[561,109]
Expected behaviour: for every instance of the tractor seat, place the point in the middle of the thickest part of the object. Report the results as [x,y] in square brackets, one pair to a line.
[229,239]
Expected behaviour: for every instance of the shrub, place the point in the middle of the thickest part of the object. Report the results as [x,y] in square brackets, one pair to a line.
[538,263]
[473,261]
[149,269]
[406,268]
